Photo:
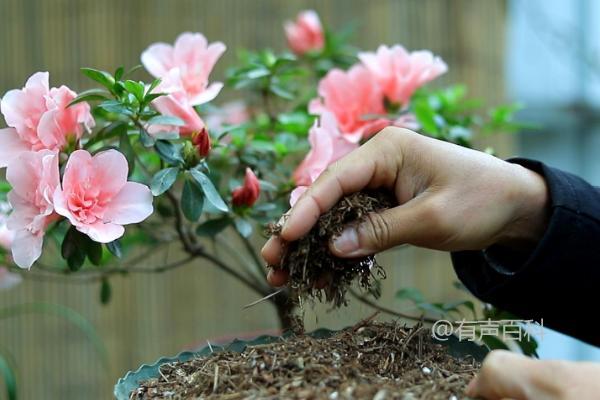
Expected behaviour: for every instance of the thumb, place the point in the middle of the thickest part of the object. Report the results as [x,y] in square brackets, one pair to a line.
[381,231]
[505,374]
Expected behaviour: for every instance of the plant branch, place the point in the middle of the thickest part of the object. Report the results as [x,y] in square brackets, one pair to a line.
[252,252]
[238,257]
[389,311]
[236,274]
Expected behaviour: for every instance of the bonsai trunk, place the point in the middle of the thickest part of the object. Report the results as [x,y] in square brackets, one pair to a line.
[285,307]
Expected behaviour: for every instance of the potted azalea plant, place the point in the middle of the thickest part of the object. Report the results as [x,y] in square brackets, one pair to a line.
[137,164]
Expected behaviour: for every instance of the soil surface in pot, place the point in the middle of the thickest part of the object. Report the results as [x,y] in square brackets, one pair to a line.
[371,360]
[314,271]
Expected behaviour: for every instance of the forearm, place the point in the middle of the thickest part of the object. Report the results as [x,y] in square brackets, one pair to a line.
[557,279]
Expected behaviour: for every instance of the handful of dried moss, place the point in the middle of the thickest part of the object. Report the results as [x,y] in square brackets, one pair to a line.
[311,264]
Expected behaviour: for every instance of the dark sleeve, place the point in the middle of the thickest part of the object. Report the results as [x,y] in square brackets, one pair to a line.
[559,280]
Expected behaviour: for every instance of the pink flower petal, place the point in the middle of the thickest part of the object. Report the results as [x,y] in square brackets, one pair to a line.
[101,232]
[110,171]
[185,67]
[11,146]
[189,48]
[22,108]
[399,72]
[61,121]
[24,172]
[77,169]
[213,53]
[305,33]
[158,59]
[61,207]
[209,94]
[131,205]
[26,248]
[22,214]
[176,106]
[327,146]
[351,96]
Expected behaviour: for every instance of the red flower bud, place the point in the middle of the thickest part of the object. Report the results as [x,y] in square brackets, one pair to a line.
[247,194]
[201,141]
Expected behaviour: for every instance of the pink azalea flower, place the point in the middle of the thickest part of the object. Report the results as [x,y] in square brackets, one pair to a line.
[7,279]
[353,97]
[96,197]
[38,118]
[33,176]
[6,235]
[193,58]
[400,73]
[305,33]
[176,104]
[327,146]
[247,194]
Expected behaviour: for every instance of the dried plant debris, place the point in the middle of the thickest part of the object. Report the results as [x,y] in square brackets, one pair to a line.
[314,271]
[370,361]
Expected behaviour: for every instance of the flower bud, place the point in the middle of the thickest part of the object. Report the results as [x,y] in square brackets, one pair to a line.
[247,194]
[202,143]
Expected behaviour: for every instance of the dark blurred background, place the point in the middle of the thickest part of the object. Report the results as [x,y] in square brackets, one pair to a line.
[543,53]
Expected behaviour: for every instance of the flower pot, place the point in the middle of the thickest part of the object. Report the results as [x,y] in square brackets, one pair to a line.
[131,380]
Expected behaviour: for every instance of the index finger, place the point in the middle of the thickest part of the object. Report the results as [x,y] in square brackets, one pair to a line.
[348,175]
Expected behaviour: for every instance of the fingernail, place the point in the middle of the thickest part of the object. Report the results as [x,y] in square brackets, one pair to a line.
[347,242]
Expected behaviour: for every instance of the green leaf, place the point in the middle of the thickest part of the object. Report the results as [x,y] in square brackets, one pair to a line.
[298,122]
[211,193]
[257,73]
[132,70]
[94,251]
[412,294]
[243,226]
[169,152]
[280,91]
[115,107]
[89,95]
[152,86]
[165,120]
[73,249]
[9,378]
[105,291]
[426,117]
[115,248]
[213,227]
[192,200]
[135,88]
[102,77]
[145,139]
[528,346]
[119,73]
[151,96]
[163,180]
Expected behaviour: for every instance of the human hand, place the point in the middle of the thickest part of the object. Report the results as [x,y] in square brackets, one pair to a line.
[450,198]
[507,375]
